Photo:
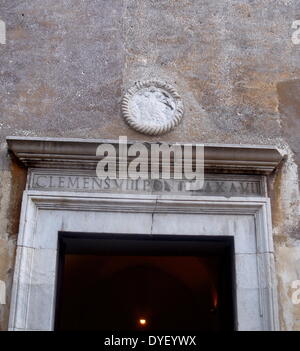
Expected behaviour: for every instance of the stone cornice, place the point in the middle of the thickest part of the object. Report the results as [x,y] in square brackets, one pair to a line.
[76,153]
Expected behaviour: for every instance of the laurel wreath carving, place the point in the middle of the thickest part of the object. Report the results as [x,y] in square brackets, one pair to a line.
[144,128]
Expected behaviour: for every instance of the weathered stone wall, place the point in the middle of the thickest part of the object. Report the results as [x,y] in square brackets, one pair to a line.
[66,64]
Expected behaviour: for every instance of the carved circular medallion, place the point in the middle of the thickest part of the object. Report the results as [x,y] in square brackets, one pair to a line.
[152,107]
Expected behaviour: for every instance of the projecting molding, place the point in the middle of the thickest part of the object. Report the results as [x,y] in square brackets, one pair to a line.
[73,153]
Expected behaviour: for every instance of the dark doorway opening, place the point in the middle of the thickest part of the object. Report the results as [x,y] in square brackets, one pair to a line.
[111,282]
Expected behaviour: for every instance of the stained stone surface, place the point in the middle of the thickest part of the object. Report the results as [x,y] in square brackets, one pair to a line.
[66,65]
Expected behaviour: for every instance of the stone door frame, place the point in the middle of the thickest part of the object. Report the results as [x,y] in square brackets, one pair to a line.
[47,211]
[44,214]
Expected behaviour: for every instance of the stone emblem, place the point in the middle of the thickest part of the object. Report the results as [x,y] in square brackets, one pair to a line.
[152,107]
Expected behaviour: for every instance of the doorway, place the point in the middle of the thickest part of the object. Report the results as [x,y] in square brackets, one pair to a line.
[111,282]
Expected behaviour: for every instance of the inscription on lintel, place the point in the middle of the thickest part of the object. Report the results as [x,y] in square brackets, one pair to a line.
[213,185]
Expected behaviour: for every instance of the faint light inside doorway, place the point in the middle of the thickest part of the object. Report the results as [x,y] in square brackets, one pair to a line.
[142,322]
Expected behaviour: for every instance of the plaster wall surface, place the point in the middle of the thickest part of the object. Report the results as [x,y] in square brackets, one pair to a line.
[66,65]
